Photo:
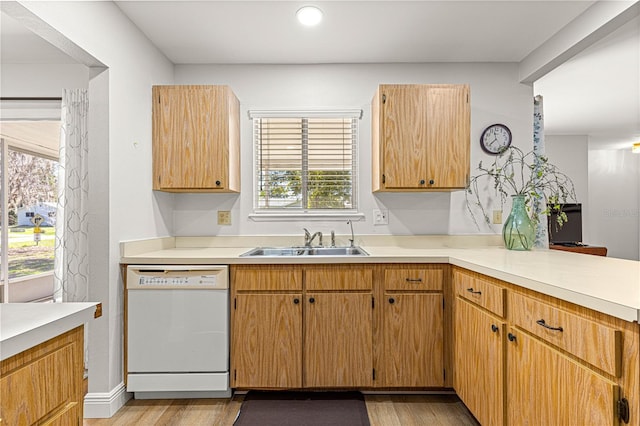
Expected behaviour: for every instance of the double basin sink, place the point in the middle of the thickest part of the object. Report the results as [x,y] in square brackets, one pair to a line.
[305,251]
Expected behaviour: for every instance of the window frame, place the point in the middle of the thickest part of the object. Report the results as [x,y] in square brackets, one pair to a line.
[274,214]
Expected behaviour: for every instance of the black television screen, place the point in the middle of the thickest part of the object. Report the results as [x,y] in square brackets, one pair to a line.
[571,230]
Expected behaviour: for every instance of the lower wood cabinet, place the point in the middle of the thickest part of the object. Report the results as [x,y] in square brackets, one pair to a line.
[337,326]
[545,387]
[289,336]
[43,385]
[413,352]
[338,340]
[267,340]
[537,360]
[479,361]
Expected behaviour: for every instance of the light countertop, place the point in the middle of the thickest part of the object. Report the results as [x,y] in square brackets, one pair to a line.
[607,285]
[25,325]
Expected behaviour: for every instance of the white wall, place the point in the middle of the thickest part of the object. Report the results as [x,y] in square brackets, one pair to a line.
[614,189]
[570,155]
[496,96]
[122,205]
[41,80]
[608,186]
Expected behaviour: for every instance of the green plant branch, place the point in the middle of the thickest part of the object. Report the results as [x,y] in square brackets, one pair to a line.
[514,172]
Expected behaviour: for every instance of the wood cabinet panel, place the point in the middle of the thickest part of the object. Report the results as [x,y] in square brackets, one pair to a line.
[267,278]
[413,279]
[338,277]
[448,130]
[404,131]
[196,139]
[338,345]
[599,345]
[267,341]
[547,388]
[479,363]
[420,137]
[481,292]
[413,351]
[43,385]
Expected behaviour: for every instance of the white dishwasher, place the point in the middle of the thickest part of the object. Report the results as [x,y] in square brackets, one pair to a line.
[178,331]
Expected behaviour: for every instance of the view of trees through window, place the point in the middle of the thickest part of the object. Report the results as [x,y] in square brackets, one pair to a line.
[31,200]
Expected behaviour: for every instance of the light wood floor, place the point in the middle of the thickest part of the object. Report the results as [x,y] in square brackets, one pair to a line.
[384,410]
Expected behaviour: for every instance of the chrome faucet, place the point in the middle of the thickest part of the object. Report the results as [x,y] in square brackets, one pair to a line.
[308,238]
[352,237]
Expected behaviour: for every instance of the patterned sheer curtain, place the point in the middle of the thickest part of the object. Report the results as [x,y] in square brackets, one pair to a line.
[71,246]
[542,240]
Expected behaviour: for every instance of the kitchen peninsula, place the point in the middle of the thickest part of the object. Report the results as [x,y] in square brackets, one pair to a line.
[42,361]
[538,318]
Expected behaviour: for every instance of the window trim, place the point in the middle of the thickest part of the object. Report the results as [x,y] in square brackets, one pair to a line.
[275,215]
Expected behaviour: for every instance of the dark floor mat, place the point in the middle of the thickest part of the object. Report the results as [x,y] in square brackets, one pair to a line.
[264,408]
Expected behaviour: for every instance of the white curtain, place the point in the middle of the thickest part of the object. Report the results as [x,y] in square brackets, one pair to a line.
[71,266]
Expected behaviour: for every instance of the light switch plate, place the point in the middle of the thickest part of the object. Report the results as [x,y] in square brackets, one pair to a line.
[380,217]
[497,217]
[224,217]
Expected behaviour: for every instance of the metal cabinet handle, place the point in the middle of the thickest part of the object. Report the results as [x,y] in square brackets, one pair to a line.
[422,181]
[218,183]
[431,181]
[312,300]
[545,325]
[470,290]
[296,301]
[392,300]
[511,337]
[414,280]
[494,328]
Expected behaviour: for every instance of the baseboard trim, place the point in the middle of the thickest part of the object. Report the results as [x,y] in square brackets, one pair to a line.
[98,405]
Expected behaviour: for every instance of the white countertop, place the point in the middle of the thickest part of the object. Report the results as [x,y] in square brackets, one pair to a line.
[607,285]
[25,325]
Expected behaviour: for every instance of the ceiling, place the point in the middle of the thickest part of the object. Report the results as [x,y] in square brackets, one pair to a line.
[232,32]
[257,32]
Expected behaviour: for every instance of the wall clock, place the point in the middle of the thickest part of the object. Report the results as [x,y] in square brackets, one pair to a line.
[495,139]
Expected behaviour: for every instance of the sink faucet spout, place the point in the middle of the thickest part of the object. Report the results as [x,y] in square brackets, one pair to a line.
[352,237]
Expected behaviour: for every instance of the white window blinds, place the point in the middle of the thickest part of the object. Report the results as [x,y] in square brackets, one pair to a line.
[305,162]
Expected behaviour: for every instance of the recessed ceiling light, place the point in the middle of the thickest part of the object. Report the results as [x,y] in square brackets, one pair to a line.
[309,15]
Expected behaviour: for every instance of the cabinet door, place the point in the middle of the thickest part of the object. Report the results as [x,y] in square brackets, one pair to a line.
[547,388]
[479,363]
[413,341]
[267,341]
[404,135]
[191,137]
[338,343]
[448,136]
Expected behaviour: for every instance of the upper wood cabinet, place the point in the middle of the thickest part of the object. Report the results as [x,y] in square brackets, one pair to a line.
[196,139]
[420,137]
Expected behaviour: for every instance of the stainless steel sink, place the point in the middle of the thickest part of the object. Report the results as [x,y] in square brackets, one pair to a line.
[305,251]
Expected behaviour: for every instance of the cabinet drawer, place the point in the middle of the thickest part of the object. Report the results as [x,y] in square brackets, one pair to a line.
[413,279]
[597,344]
[338,277]
[267,278]
[480,292]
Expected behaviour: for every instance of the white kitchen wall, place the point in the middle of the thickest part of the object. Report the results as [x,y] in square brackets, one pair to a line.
[614,221]
[570,155]
[123,207]
[496,97]
[42,80]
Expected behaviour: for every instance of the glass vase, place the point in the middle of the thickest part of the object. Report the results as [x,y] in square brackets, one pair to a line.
[518,231]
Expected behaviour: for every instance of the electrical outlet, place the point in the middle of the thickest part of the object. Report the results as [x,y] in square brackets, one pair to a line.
[380,217]
[497,216]
[224,217]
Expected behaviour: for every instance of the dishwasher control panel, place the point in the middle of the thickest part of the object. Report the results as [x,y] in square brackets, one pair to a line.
[170,277]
